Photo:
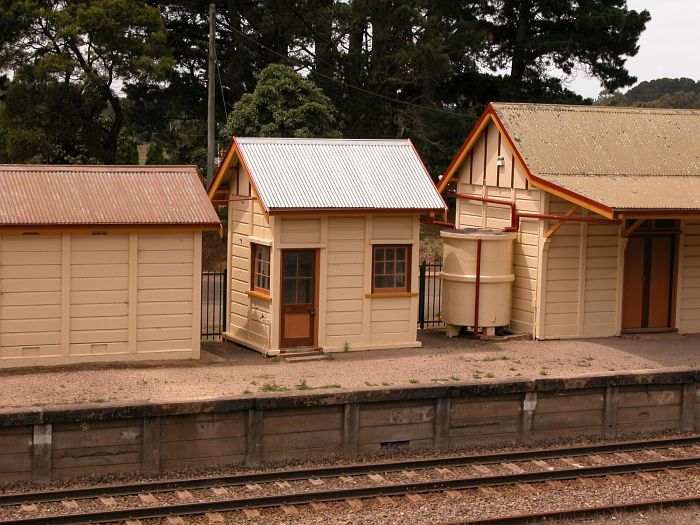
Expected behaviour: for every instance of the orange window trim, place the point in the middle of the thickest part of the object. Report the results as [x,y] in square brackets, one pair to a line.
[260,268]
[388,266]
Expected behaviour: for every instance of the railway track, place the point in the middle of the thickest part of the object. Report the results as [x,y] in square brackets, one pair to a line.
[285,489]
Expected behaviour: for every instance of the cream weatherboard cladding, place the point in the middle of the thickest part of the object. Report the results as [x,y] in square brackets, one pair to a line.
[74,297]
[626,164]
[338,198]
[105,268]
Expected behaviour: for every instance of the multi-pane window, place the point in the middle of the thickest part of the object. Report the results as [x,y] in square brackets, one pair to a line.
[391,268]
[261,268]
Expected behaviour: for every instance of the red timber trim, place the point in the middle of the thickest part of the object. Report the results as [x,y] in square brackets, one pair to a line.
[465,148]
[490,115]
[232,152]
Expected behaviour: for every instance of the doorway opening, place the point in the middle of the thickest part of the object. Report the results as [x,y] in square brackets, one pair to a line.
[649,279]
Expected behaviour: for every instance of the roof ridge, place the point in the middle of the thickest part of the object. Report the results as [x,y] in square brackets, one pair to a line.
[593,108]
[97,167]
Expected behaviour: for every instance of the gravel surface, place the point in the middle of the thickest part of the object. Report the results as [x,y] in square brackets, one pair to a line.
[441,506]
[228,369]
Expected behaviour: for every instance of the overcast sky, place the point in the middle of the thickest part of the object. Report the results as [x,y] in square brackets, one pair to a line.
[669,47]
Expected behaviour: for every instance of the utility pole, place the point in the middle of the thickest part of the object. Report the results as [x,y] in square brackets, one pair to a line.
[211,101]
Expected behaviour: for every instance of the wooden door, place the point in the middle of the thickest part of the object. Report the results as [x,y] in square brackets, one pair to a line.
[649,282]
[299,298]
[633,288]
[660,282]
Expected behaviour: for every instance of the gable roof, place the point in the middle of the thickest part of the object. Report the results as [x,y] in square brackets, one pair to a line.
[291,174]
[617,158]
[43,195]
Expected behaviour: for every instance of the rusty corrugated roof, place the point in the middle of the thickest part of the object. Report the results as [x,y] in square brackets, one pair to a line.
[103,195]
[327,174]
[624,158]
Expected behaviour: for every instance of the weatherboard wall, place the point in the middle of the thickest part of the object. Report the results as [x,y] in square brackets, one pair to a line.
[480,175]
[350,317]
[100,296]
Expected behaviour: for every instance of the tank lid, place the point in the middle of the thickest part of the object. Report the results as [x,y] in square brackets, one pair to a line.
[479,233]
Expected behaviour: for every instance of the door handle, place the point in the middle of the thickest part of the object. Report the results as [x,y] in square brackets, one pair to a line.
[312,311]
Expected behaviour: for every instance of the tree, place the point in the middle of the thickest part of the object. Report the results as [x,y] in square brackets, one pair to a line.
[154,155]
[284,104]
[533,38]
[84,48]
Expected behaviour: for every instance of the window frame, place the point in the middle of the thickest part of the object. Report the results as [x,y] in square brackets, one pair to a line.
[256,249]
[407,269]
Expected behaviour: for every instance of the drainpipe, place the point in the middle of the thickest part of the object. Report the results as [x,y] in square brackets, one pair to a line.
[515,215]
[477,282]
[564,218]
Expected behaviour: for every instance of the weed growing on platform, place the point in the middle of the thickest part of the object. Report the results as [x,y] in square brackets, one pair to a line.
[303,385]
[413,381]
[273,387]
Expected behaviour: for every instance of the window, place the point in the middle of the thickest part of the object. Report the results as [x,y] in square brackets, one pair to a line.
[390,268]
[261,268]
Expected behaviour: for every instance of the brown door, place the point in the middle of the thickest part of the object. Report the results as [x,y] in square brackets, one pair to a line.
[647,296]
[298,298]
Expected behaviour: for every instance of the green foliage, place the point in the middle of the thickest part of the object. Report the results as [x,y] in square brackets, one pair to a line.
[284,104]
[154,155]
[534,37]
[678,93]
[79,49]
[127,152]
[653,90]
[109,69]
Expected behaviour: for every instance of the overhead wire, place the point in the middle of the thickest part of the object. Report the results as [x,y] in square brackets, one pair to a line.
[351,86]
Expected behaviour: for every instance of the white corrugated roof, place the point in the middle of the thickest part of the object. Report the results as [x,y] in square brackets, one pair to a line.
[293,174]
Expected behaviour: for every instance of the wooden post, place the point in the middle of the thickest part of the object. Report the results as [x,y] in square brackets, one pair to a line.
[211,92]
[527,416]
[688,407]
[254,438]
[41,452]
[441,436]
[150,445]
[351,430]
[612,399]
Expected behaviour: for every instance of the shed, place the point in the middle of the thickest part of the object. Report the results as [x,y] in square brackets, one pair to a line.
[100,263]
[606,203]
[323,238]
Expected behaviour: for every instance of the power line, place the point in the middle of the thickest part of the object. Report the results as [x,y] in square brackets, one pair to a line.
[351,86]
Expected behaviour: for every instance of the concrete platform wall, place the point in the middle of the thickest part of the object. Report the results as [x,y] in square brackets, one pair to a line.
[51,443]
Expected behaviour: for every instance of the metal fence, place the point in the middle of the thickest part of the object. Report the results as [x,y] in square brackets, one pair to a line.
[213,304]
[429,295]
[214,300]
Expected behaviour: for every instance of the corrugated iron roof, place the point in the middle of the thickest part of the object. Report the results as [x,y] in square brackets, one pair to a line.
[624,158]
[103,195]
[293,174]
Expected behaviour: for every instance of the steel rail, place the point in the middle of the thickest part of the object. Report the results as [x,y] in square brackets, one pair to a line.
[580,512]
[340,470]
[394,489]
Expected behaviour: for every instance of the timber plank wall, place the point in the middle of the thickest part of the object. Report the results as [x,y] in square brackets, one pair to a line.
[47,443]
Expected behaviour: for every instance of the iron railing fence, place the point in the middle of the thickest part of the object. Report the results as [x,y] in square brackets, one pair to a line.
[429,295]
[213,304]
[214,300]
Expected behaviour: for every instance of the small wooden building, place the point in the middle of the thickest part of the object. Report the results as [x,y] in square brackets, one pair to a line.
[100,263]
[606,203]
[323,240]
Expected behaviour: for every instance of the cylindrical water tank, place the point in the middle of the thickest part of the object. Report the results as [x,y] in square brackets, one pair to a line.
[477,276]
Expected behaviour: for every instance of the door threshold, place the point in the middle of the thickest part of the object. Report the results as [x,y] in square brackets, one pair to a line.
[300,349]
[661,330]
